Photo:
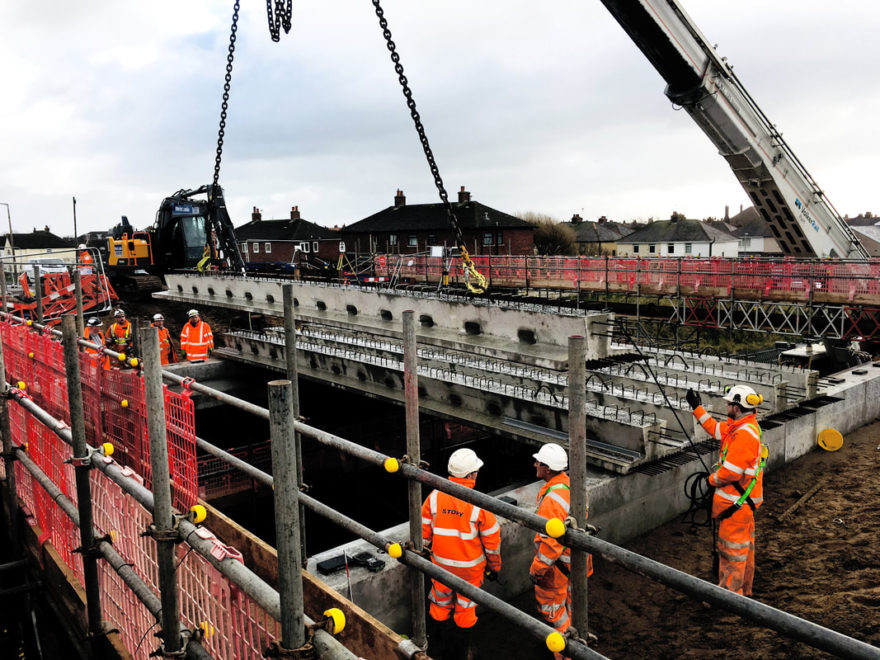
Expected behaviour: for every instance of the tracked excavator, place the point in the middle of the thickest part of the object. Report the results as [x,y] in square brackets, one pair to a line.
[803,221]
[192,230]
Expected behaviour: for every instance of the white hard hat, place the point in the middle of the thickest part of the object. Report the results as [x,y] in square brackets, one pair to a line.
[743,396]
[158,317]
[192,312]
[119,312]
[94,321]
[463,462]
[81,246]
[553,456]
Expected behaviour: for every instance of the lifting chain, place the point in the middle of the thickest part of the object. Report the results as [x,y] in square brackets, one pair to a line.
[225,105]
[279,17]
[479,283]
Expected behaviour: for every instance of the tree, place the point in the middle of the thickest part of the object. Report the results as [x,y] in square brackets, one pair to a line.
[551,236]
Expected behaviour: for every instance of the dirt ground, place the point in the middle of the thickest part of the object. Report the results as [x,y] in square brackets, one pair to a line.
[821,563]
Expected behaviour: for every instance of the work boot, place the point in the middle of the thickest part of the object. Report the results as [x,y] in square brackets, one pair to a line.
[438,633]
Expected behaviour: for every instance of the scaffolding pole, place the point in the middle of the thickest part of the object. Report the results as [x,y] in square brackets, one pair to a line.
[414,490]
[163,519]
[287,542]
[8,456]
[577,450]
[293,377]
[78,294]
[82,466]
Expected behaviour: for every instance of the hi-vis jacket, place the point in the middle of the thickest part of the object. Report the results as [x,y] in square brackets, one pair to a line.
[554,501]
[462,537]
[166,350]
[196,340]
[119,334]
[740,460]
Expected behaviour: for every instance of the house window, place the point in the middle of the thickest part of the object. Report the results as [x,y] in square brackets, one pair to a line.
[635,249]
[746,242]
[315,247]
[392,239]
[256,248]
[412,241]
[670,248]
[652,249]
[304,247]
[687,248]
[268,248]
[499,239]
[244,248]
[432,239]
[488,238]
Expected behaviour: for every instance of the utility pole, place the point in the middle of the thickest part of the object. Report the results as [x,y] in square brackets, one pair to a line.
[11,243]
[75,235]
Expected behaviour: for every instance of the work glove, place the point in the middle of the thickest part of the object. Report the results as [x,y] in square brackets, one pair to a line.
[182,354]
[536,579]
[491,575]
[693,399]
[210,350]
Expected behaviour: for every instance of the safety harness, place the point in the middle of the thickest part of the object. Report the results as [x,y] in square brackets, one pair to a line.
[744,493]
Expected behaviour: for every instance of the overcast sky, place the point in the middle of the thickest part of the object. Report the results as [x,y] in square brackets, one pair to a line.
[545,107]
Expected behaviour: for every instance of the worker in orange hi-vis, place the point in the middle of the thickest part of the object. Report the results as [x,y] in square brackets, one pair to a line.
[551,567]
[85,259]
[466,541]
[119,333]
[196,338]
[95,335]
[167,354]
[738,482]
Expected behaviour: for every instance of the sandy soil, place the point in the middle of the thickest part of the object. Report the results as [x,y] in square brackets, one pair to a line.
[821,563]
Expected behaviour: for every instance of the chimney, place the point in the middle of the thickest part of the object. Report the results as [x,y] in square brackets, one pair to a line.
[726,213]
[603,220]
[256,215]
[576,219]
[294,212]
[399,199]
[464,197]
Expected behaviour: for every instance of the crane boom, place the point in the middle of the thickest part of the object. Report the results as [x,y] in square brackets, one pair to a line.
[803,221]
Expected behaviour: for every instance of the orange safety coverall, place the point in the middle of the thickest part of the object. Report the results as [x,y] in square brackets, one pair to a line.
[462,539]
[166,350]
[196,340]
[95,336]
[119,335]
[86,262]
[739,464]
[552,563]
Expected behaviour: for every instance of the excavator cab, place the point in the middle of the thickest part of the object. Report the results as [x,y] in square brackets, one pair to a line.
[181,233]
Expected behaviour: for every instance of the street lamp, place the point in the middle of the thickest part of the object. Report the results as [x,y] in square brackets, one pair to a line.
[11,244]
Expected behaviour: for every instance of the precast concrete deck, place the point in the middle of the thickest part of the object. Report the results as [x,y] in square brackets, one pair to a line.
[623,506]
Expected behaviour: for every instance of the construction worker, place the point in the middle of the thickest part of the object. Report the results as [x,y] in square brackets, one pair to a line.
[738,480]
[95,335]
[196,338]
[466,541]
[119,333]
[85,259]
[166,348]
[551,566]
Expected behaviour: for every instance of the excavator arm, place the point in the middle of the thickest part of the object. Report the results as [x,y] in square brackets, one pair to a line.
[802,220]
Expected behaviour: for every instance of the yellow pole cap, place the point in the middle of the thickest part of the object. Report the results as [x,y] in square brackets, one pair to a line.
[107,448]
[392,464]
[113,535]
[21,384]
[395,551]
[31,355]
[197,513]
[338,618]
[555,642]
[206,628]
[124,403]
[29,323]
[121,357]
[555,527]
[134,362]
[830,439]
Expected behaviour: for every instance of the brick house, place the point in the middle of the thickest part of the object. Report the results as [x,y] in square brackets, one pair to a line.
[407,229]
[276,240]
